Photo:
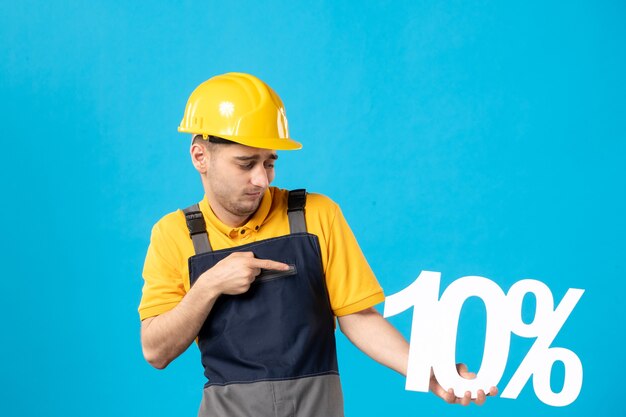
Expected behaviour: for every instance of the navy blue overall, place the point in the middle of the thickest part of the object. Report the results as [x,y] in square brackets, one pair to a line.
[270,351]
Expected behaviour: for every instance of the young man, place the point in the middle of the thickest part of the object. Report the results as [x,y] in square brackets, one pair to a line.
[258,274]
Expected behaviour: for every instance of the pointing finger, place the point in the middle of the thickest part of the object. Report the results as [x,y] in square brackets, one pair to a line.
[269,264]
[247,254]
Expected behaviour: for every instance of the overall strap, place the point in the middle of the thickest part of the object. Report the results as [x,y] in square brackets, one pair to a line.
[295,210]
[197,229]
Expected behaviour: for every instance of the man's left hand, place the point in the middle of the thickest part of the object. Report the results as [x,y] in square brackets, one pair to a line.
[450,397]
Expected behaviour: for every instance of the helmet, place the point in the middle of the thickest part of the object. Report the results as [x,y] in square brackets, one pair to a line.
[241,108]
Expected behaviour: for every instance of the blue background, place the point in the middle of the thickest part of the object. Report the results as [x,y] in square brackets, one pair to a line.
[470,138]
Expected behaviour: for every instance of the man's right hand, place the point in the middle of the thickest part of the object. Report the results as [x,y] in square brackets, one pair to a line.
[166,336]
[234,274]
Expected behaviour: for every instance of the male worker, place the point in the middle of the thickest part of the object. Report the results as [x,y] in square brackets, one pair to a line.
[258,274]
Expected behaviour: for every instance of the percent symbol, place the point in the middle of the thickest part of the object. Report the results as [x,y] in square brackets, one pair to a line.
[434,331]
[541,357]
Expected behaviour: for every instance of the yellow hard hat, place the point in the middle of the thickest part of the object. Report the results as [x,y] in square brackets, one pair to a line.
[241,108]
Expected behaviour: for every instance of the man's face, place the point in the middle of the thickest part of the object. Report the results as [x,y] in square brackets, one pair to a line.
[238,175]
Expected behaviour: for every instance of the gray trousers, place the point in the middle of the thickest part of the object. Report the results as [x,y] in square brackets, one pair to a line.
[316,396]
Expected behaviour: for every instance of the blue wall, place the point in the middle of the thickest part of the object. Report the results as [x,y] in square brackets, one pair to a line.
[470,138]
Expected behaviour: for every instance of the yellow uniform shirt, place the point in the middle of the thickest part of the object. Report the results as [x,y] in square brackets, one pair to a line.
[351,283]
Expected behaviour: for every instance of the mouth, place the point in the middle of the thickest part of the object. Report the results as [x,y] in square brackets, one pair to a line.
[254,194]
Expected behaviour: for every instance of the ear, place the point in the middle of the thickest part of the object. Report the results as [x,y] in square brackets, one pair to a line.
[199,157]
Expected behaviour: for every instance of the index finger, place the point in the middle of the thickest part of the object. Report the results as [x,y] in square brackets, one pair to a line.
[269,264]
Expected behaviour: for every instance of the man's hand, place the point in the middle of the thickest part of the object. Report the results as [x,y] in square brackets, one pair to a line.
[234,274]
[371,333]
[449,395]
[165,337]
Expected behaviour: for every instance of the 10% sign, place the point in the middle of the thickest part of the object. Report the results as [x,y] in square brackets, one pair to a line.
[434,332]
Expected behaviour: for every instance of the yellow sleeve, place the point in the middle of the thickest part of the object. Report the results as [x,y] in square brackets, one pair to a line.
[352,286]
[163,278]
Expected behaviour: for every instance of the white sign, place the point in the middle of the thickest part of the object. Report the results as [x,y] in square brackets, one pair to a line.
[434,331]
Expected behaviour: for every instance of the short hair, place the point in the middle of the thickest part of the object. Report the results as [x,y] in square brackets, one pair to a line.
[211,140]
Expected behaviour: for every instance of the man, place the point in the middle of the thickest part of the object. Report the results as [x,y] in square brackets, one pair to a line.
[257,274]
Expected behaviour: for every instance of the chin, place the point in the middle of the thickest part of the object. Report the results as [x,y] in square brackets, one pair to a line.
[246,209]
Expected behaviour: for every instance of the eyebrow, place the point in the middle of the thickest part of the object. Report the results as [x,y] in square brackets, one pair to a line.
[255,157]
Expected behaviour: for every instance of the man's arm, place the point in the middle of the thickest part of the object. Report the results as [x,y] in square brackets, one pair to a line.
[378,339]
[165,337]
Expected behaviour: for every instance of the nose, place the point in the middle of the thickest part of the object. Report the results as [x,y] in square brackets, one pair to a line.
[259,177]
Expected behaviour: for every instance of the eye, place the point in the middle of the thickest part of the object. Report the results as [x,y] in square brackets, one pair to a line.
[269,165]
[247,167]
